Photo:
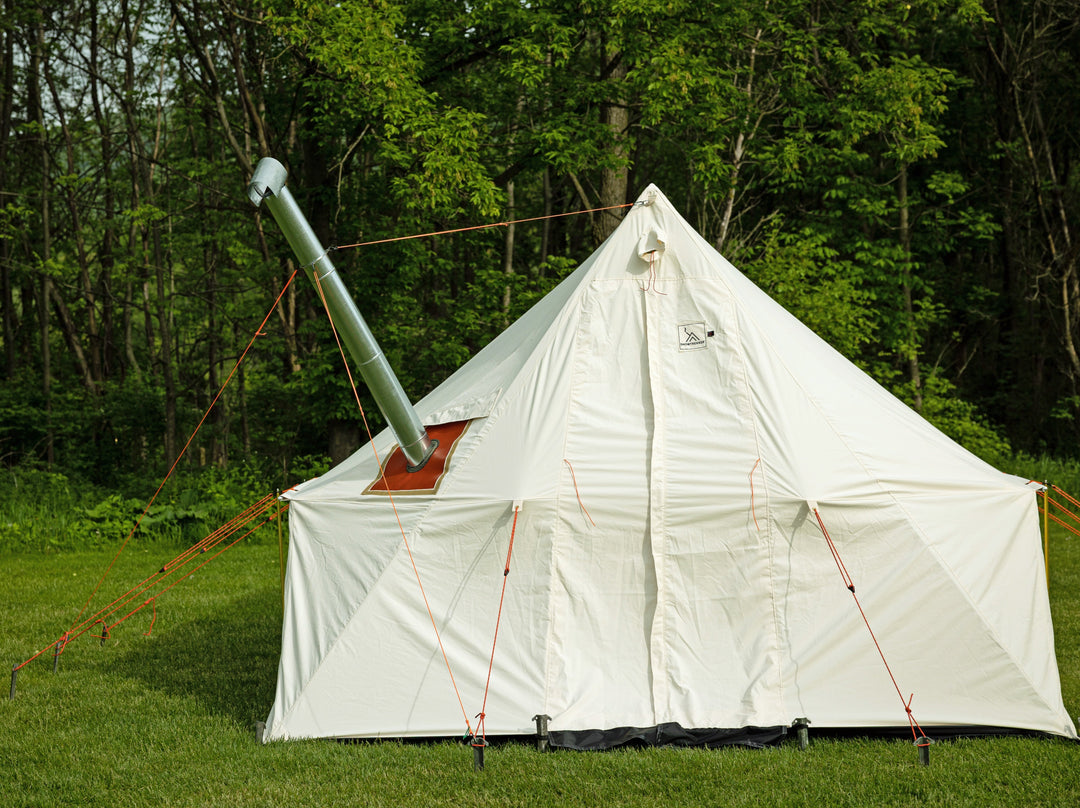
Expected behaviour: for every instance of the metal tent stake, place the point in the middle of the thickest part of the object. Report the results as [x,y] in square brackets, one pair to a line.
[268,185]
[58,650]
[542,742]
[802,731]
[924,749]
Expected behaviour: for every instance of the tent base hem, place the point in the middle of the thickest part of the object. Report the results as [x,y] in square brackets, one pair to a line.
[713,738]
[670,734]
[936,732]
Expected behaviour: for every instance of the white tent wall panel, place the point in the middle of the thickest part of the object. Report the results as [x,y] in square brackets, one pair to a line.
[515,452]
[602,600]
[501,361]
[384,674]
[912,603]
[986,555]
[833,668]
[461,558]
[722,661]
[603,592]
[323,585]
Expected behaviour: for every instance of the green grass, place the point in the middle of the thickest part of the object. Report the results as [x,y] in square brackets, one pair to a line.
[167,720]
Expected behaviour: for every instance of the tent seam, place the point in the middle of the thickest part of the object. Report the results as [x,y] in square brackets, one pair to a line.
[585,288]
[769,533]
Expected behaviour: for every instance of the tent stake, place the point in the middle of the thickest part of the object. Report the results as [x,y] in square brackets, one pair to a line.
[478,745]
[924,749]
[14,676]
[802,731]
[58,650]
[542,732]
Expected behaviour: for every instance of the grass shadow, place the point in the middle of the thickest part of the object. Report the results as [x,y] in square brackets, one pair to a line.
[226,661]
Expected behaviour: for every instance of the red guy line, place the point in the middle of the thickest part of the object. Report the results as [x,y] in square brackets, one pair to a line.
[851,588]
[258,333]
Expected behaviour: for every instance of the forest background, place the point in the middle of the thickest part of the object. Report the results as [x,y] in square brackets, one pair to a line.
[902,176]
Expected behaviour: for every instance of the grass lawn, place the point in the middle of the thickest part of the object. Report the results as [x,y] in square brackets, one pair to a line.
[166,719]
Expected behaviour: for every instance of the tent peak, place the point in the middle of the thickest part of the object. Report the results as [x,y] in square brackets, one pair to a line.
[649,195]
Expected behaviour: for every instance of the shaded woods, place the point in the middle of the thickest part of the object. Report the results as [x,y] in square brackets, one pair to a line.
[901,176]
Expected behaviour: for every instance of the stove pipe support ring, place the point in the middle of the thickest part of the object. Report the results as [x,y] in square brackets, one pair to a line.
[268,185]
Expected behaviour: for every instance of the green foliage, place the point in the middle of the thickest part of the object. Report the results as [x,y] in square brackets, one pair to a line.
[42,511]
[97,439]
[364,68]
[39,511]
[961,420]
[14,219]
[807,277]
[22,422]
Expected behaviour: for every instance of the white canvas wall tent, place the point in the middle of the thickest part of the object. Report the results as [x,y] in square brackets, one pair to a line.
[660,438]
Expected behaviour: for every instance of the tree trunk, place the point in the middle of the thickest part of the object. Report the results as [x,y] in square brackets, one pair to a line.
[71,336]
[344,439]
[171,444]
[106,259]
[615,176]
[286,308]
[241,380]
[219,454]
[911,350]
[154,308]
[7,305]
[36,113]
[508,254]
[128,317]
[545,232]
[200,47]
[46,367]
[1026,48]
[7,102]
[738,149]
[90,369]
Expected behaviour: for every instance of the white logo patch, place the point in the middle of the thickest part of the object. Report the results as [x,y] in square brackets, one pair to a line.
[692,336]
